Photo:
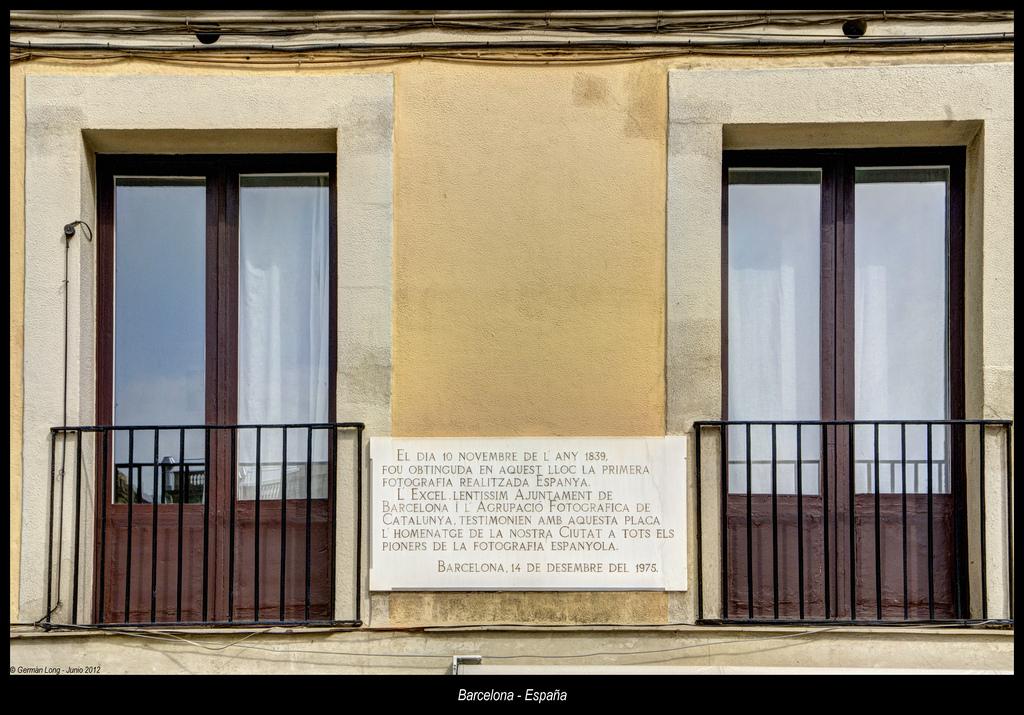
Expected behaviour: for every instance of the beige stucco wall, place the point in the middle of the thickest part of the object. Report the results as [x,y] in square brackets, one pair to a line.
[16,249]
[529,283]
[64,115]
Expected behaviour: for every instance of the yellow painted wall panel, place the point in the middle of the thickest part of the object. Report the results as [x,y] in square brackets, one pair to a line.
[529,251]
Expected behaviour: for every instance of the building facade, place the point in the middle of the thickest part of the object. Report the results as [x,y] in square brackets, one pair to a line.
[753,271]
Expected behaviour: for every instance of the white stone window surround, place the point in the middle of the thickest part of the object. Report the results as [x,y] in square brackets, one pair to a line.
[827,107]
[71,117]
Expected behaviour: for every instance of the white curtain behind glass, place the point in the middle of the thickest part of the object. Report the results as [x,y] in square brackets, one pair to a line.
[901,360]
[773,348]
[283,329]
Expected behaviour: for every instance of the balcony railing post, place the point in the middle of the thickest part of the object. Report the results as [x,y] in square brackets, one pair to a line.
[750,538]
[878,534]
[128,548]
[824,478]
[332,482]
[359,521]
[1009,516]
[956,486]
[184,488]
[309,503]
[775,527]
[154,503]
[104,498]
[981,521]
[851,516]
[697,480]
[78,521]
[284,516]
[256,540]
[232,486]
[931,546]
[724,515]
[206,522]
[903,504]
[50,520]
[799,476]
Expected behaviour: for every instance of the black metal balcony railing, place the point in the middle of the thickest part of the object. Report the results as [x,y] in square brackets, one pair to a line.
[223,524]
[228,538]
[849,531]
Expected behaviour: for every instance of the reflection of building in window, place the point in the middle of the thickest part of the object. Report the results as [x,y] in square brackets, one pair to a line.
[175,480]
[121,490]
[187,479]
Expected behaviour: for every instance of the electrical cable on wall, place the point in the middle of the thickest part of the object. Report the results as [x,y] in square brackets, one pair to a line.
[172,637]
[511,55]
[513,37]
[391,22]
[69,233]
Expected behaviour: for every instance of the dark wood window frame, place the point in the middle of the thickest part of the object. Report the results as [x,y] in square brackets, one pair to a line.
[838,168]
[221,173]
[837,260]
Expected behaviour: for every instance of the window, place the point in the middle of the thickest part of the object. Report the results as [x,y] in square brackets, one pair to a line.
[844,301]
[216,307]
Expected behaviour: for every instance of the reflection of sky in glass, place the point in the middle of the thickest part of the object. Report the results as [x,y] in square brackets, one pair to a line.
[774,293]
[901,361]
[159,315]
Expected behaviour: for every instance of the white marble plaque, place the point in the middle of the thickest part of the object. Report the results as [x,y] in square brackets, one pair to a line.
[528,513]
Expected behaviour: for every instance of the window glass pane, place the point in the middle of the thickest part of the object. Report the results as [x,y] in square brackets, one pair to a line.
[283,331]
[159,335]
[901,362]
[774,322]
